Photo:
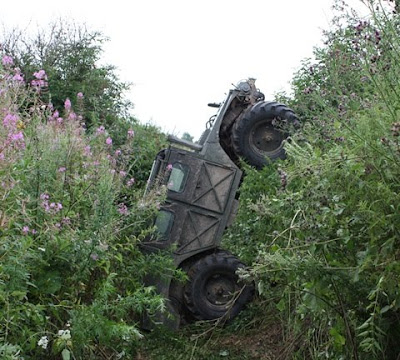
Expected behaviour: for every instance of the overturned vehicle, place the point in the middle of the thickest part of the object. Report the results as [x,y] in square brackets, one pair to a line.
[202,181]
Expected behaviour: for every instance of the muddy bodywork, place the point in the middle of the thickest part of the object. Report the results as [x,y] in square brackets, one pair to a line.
[202,181]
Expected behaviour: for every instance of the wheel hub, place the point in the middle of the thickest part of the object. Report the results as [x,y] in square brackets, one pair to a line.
[264,138]
[219,290]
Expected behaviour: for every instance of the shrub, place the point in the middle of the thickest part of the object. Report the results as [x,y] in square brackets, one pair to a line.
[70,222]
[323,226]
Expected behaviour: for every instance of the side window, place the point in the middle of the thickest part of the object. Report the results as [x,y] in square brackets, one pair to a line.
[177,177]
[164,222]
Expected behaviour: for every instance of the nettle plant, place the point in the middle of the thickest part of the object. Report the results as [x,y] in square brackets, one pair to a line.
[323,226]
[71,218]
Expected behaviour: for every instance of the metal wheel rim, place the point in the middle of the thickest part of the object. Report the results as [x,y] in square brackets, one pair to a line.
[265,139]
[219,290]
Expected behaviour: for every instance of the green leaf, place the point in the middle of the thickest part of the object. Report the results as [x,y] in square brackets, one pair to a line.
[281,305]
[66,354]
[224,353]
[338,338]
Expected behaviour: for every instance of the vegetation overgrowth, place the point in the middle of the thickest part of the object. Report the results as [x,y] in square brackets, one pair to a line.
[72,215]
[320,229]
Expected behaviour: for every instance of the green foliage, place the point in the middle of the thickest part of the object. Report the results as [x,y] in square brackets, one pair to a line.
[71,220]
[322,228]
[70,54]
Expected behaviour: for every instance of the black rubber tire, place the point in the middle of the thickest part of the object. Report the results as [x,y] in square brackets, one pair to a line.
[257,135]
[214,290]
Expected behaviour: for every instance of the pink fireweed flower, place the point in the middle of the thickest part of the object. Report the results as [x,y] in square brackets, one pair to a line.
[131,133]
[79,95]
[62,169]
[100,130]
[108,141]
[18,77]
[44,196]
[40,80]
[72,116]
[18,140]
[10,121]
[67,104]
[54,116]
[39,83]
[87,150]
[25,230]
[18,136]
[122,209]
[40,75]
[7,60]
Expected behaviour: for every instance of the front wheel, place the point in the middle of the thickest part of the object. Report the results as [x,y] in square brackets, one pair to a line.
[260,133]
[214,290]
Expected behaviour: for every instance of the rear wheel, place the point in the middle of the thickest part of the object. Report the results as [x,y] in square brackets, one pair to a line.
[214,290]
[260,133]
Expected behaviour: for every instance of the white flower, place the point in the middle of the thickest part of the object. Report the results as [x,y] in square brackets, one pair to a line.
[64,334]
[43,342]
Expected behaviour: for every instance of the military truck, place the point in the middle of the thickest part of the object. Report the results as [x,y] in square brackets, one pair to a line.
[202,181]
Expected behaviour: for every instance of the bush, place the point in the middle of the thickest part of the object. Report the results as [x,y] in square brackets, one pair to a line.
[69,53]
[71,219]
[322,228]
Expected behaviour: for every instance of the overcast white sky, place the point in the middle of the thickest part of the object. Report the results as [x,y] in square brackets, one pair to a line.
[182,54]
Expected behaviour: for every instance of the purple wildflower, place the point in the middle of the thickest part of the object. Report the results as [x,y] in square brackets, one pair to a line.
[72,116]
[87,151]
[40,75]
[62,169]
[18,77]
[123,209]
[7,60]
[10,121]
[130,182]
[122,173]
[40,80]
[67,104]
[108,141]
[79,95]
[100,130]
[17,139]
[44,196]
[25,230]
[131,133]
